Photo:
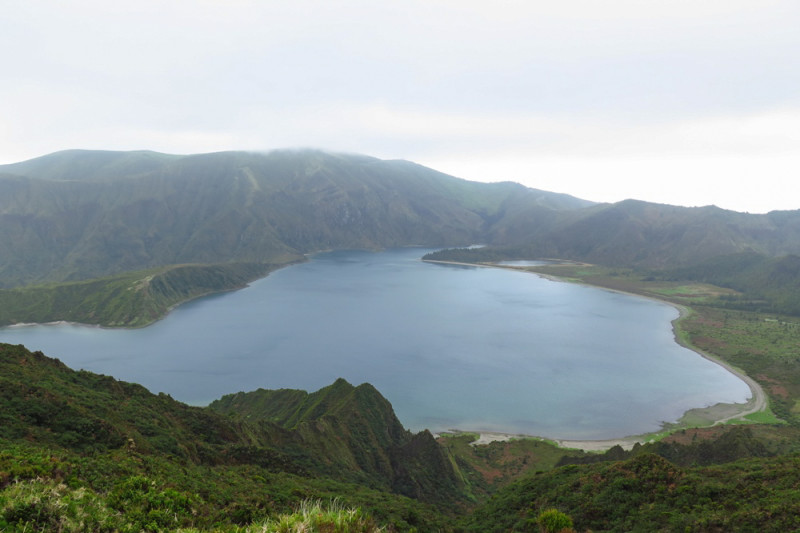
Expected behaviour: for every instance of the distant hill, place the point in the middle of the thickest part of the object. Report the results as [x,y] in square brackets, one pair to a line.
[632,233]
[89,165]
[82,215]
[78,215]
[642,234]
[767,284]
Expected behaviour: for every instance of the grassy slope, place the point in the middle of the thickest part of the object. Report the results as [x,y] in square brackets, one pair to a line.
[135,450]
[82,215]
[133,299]
[759,282]
[648,493]
[86,452]
[49,489]
[85,216]
[359,430]
[81,411]
[638,234]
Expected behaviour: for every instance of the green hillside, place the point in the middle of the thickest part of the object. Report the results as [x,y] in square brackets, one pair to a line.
[89,165]
[84,452]
[119,238]
[109,216]
[643,235]
[648,493]
[82,215]
[358,430]
[767,284]
[79,215]
[121,442]
[132,299]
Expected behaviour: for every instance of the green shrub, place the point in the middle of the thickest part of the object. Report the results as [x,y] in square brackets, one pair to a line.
[312,517]
[554,521]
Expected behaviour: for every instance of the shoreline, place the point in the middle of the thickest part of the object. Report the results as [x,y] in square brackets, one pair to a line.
[487,437]
[697,417]
[132,326]
[758,400]
[714,415]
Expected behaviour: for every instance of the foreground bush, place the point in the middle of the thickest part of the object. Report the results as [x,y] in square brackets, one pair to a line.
[39,505]
[312,517]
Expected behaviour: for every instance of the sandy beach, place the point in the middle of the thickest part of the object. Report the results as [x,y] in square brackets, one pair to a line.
[487,437]
[699,417]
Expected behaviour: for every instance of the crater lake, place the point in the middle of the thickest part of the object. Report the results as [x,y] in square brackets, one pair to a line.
[451,347]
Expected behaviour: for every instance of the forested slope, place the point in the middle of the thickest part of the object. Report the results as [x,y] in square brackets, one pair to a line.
[48,408]
[131,299]
[82,215]
[83,452]
[79,214]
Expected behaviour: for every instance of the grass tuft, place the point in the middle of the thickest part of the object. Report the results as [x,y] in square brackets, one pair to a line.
[312,517]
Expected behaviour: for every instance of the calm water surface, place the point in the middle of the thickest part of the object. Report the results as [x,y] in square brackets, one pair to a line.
[449,346]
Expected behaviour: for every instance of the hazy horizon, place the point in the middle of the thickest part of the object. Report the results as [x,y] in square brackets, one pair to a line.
[680,103]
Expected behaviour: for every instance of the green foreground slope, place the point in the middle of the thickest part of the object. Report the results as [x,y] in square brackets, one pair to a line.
[648,493]
[357,429]
[84,452]
[118,440]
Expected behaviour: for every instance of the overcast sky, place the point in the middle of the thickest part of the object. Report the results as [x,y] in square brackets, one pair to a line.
[686,102]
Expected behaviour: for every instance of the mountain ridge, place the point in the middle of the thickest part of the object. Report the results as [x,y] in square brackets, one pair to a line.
[362,419]
[84,215]
[354,434]
[125,215]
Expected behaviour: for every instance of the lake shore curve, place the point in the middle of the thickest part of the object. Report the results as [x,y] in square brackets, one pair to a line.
[720,413]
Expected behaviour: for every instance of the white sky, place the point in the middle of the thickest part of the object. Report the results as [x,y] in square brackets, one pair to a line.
[686,102]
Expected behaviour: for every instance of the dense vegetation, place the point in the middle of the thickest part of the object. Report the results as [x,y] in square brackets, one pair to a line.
[74,443]
[78,443]
[82,215]
[358,430]
[119,238]
[131,300]
[83,452]
[649,493]
[762,283]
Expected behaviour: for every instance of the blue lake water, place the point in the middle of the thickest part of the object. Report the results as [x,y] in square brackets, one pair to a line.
[449,346]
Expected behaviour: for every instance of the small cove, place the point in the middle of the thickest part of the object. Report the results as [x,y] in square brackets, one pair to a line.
[450,346]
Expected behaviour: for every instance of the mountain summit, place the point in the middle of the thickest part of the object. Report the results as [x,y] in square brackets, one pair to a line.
[77,215]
